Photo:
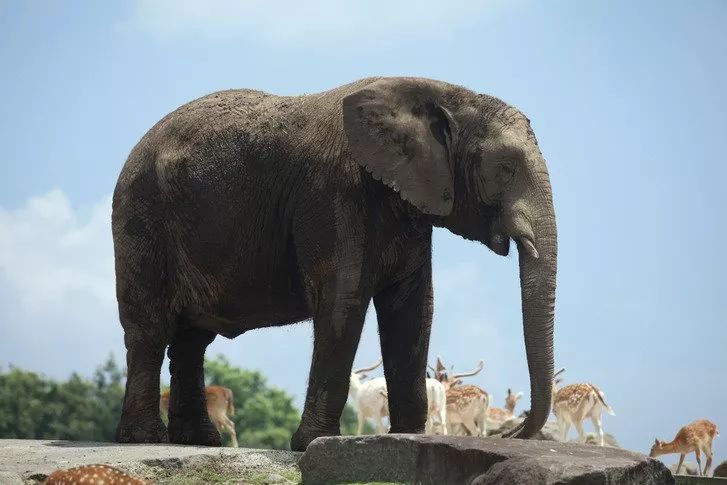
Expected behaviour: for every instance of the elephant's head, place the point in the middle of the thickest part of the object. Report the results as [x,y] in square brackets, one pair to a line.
[472,164]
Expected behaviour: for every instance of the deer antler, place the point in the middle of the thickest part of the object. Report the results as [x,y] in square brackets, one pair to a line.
[366,369]
[562,369]
[479,368]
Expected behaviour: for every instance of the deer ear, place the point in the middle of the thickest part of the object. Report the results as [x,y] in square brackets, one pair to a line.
[440,365]
[398,130]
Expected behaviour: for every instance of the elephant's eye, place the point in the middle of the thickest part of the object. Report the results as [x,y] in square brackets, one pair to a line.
[505,171]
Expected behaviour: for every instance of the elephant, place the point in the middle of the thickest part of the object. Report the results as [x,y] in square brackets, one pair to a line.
[242,210]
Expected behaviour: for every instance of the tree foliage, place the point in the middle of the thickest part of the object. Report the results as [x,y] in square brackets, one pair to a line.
[33,406]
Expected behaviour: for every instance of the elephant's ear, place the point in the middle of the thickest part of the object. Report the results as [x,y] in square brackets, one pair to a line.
[400,133]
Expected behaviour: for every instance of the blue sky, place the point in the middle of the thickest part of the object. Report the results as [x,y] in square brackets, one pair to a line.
[626,99]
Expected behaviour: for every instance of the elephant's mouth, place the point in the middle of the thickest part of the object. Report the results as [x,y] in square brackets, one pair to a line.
[520,231]
[499,243]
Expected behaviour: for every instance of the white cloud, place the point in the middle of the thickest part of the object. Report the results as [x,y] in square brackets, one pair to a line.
[49,254]
[277,21]
[57,300]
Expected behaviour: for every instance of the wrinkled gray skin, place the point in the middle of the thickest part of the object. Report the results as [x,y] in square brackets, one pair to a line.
[243,210]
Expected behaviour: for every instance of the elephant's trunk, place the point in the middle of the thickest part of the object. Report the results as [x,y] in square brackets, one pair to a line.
[537,283]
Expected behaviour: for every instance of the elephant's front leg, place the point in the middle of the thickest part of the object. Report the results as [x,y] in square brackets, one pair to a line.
[336,333]
[404,312]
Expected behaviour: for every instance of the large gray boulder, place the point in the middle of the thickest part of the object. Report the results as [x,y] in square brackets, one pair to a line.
[592,439]
[550,433]
[430,459]
[721,470]
[31,461]
[688,468]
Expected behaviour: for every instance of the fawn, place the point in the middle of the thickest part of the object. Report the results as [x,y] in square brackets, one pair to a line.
[697,437]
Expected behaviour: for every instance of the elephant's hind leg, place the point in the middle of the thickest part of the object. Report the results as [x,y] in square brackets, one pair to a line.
[140,420]
[144,314]
[189,423]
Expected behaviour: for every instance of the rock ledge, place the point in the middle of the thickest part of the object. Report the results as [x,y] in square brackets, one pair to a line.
[469,460]
[30,461]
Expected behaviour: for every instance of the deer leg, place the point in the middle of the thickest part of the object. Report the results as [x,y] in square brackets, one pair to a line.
[443,421]
[361,422]
[189,421]
[565,427]
[708,465]
[679,466]
[596,420]
[482,426]
[376,416]
[470,426]
[581,434]
[381,429]
[698,454]
[229,426]
[216,421]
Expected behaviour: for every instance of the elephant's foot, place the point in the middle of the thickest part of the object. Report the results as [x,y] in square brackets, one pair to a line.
[199,431]
[407,428]
[304,436]
[150,430]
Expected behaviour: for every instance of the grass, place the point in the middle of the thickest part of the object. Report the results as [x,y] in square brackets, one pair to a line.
[195,476]
[292,475]
[214,470]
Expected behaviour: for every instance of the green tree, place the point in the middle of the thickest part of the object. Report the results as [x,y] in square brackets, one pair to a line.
[109,380]
[22,403]
[34,406]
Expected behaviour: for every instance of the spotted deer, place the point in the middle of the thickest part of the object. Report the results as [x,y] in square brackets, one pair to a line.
[219,405]
[573,403]
[466,404]
[695,437]
[93,475]
[500,415]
